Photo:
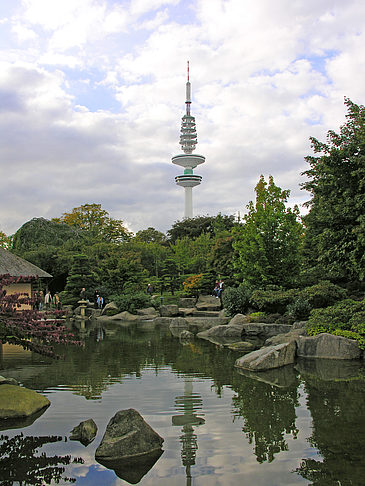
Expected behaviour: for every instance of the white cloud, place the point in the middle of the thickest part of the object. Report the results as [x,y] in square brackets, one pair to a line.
[265,76]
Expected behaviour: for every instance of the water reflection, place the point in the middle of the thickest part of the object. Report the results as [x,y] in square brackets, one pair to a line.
[269,413]
[31,469]
[188,403]
[338,412]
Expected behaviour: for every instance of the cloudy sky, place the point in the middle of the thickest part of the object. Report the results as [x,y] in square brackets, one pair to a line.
[92,93]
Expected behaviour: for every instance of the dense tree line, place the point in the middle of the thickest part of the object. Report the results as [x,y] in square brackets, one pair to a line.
[270,249]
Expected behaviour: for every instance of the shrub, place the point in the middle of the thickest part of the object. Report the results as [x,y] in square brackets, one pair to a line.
[357,322]
[192,285]
[273,301]
[341,316]
[323,294]
[131,302]
[236,300]
[299,309]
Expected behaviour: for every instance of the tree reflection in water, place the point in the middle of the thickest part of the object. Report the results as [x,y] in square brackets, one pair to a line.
[268,413]
[19,464]
[338,432]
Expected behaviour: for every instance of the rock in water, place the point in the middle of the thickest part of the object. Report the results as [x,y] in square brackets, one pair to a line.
[85,432]
[17,402]
[128,437]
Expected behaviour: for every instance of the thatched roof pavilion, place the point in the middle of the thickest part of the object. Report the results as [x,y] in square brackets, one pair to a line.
[18,267]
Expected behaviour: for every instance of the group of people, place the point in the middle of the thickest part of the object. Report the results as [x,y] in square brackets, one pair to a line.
[47,301]
[218,288]
[98,298]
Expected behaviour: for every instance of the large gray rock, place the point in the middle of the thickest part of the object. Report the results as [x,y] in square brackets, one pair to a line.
[187,302]
[264,330]
[198,324]
[221,331]
[85,432]
[17,402]
[128,436]
[268,357]
[208,303]
[148,312]
[328,346]
[111,306]
[292,335]
[170,310]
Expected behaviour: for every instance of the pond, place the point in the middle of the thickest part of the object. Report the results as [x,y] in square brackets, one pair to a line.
[302,424]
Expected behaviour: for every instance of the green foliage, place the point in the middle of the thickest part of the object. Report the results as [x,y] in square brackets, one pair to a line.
[256,317]
[268,243]
[132,301]
[299,309]
[150,235]
[323,294]
[41,232]
[236,300]
[272,301]
[347,315]
[335,225]
[80,276]
[192,228]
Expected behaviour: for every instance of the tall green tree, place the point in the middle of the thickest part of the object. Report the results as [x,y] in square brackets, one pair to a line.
[335,225]
[268,243]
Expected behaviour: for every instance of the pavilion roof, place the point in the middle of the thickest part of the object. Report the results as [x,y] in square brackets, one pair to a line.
[18,267]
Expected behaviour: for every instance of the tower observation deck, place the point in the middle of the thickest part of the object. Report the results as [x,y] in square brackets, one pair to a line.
[188,160]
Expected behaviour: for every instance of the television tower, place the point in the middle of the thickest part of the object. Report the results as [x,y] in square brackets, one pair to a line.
[188,160]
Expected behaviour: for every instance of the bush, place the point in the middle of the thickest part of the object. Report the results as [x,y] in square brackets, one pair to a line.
[341,316]
[132,302]
[273,301]
[192,285]
[323,294]
[236,300]
[299,309]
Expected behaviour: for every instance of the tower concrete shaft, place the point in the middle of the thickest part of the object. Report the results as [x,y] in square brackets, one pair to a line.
[188,160]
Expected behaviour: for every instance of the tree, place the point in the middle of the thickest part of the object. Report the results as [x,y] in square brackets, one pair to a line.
[150,235]
[335,225]
[80,277]
[97,222]
[194,227]
[268,243]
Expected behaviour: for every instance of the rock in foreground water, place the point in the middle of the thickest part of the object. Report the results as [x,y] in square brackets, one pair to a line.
[18,402]
[128,436]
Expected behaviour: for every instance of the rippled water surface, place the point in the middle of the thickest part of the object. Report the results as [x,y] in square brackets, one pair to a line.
[297,425]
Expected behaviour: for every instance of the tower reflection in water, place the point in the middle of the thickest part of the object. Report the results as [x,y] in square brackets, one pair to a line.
[188,404]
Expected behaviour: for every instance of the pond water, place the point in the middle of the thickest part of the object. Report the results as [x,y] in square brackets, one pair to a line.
[302,424]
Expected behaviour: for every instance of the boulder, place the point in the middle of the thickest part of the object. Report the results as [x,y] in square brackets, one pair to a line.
[292,335]
[148,312]
[17,402]
[187,302]
[221,331]
[238,320]
[268,357]
[264,330]
[170,310]
[328,346]
[128,437]
[8,381]
[85,432]
[122,316]
[111,307]
[208,303]
[197,324]
[187,311]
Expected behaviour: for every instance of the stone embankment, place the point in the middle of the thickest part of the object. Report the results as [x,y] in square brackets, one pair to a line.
[267,346]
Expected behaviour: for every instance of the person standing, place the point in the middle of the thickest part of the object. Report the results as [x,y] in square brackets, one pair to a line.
[83,294]
[48,300]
